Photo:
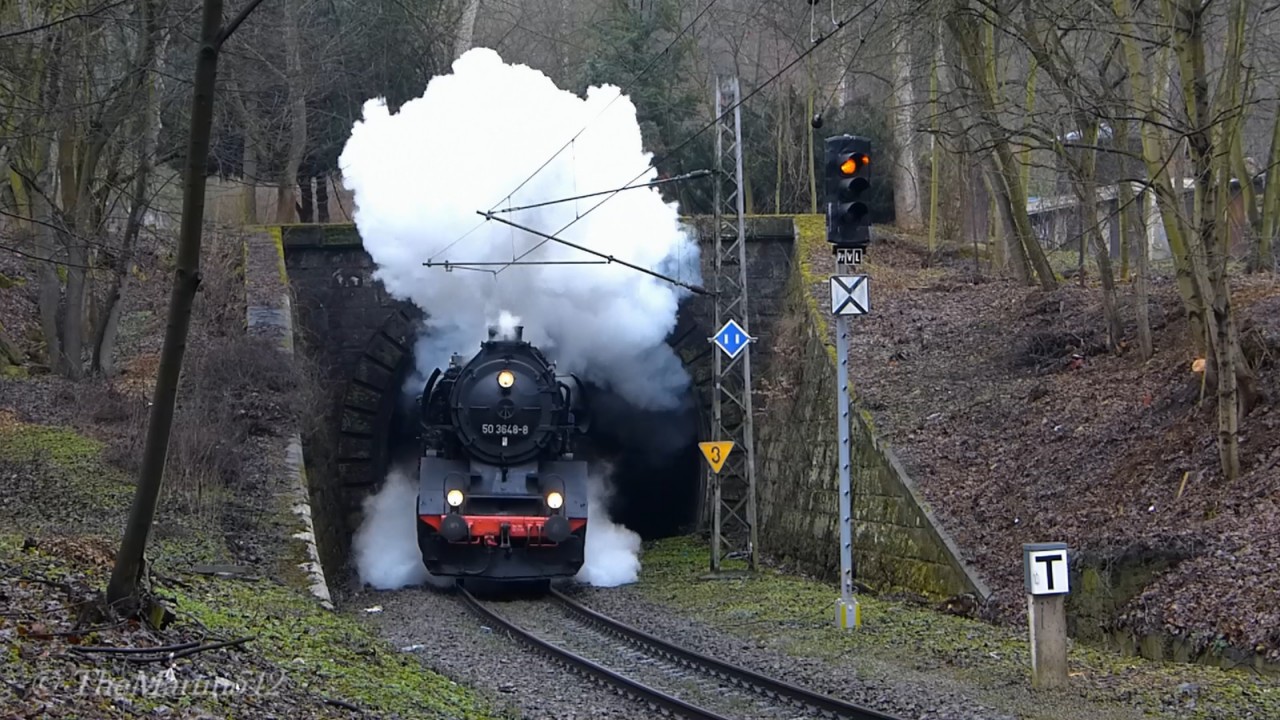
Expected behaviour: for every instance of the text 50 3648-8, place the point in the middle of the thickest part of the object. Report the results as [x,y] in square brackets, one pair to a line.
[489,429]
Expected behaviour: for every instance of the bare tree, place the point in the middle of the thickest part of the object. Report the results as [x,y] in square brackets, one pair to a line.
[122,590]
[906,190]
[977,59]
[1199,243]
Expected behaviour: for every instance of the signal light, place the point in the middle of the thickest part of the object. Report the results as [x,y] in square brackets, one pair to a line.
[848,158]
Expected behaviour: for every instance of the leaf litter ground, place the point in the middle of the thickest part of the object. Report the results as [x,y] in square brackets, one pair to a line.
[219,558]
[1018,426]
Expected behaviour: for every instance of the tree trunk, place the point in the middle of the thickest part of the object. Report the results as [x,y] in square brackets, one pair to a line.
[811,167]
[1236,383]
[979,62]
[935,148]
[1088,192]
[122,590]
[72,213]
[779,150]
[50,294]
[73,310]
[1164,192]
[286,205]
[148,138]
[1024,165]
[1134,236]
[1017,203]
[466,28]
[322,198]
[1001,229]
[1141,311]
[306,200]
[1252,224]
[249,189]
[908,212]
[1271,201]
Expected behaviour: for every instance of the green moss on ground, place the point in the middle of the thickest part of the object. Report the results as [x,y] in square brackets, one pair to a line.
[323,654]
[329,653]
[79,476]
[68,450]
[797,616]
[320,653]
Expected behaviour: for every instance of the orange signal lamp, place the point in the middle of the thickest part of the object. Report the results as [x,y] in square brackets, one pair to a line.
[853,163]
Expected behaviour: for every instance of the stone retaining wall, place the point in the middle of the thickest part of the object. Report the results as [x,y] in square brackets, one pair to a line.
[897,542]
[270,315]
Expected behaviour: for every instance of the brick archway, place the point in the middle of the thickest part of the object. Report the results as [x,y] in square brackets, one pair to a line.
[367,407]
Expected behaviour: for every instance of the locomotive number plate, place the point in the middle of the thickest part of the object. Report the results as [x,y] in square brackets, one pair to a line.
[488,429]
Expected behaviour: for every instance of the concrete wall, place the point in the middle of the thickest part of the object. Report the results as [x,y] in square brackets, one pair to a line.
[897,542]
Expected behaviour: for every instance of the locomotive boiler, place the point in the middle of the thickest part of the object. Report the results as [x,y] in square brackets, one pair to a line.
[500,493]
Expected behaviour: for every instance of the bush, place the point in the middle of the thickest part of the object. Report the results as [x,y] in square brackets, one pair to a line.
[231,390]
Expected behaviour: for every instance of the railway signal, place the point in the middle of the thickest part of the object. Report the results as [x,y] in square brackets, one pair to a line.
[847,174]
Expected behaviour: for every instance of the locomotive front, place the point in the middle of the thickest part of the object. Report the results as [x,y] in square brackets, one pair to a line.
[500,493]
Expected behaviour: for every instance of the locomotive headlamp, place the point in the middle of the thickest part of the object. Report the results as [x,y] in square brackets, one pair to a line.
[506,378]
[454,498]
[554,500]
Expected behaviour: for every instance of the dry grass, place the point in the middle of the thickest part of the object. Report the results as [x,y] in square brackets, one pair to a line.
[232,389]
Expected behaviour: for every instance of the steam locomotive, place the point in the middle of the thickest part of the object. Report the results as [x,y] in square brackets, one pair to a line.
[500,494]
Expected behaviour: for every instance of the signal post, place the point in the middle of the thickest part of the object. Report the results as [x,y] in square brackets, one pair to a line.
[846,171]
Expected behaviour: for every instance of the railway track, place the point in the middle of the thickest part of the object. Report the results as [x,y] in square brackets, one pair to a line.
[674,680]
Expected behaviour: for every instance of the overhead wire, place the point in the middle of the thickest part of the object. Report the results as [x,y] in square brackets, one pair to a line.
[671,153]
[621,91]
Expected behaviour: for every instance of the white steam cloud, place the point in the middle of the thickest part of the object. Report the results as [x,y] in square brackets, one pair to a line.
[475,135]
[477,140]
[612,551]
[386,545]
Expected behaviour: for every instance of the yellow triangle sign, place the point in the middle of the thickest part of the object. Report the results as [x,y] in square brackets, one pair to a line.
[716,453]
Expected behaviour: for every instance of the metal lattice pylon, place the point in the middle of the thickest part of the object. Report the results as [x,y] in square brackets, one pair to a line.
[733,489]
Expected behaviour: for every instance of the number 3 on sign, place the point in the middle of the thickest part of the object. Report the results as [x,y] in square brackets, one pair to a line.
[716,453]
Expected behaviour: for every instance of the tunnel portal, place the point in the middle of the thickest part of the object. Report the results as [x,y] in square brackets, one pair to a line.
[364,338]
[648,460]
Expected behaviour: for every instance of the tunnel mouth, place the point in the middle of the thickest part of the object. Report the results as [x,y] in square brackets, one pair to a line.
[648,459]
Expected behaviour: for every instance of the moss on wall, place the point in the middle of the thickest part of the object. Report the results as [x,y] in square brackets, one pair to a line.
[897,542]
[270,312]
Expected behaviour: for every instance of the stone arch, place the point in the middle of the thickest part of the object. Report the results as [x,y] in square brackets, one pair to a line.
[367,406]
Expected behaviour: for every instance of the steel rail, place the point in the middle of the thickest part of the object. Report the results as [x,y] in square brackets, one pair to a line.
[761,684]
[673,704]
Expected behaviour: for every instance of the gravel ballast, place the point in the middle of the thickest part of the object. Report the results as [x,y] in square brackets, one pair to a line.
[449,639]
[901,691]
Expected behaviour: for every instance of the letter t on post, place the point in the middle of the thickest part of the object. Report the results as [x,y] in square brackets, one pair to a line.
[1046,573]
